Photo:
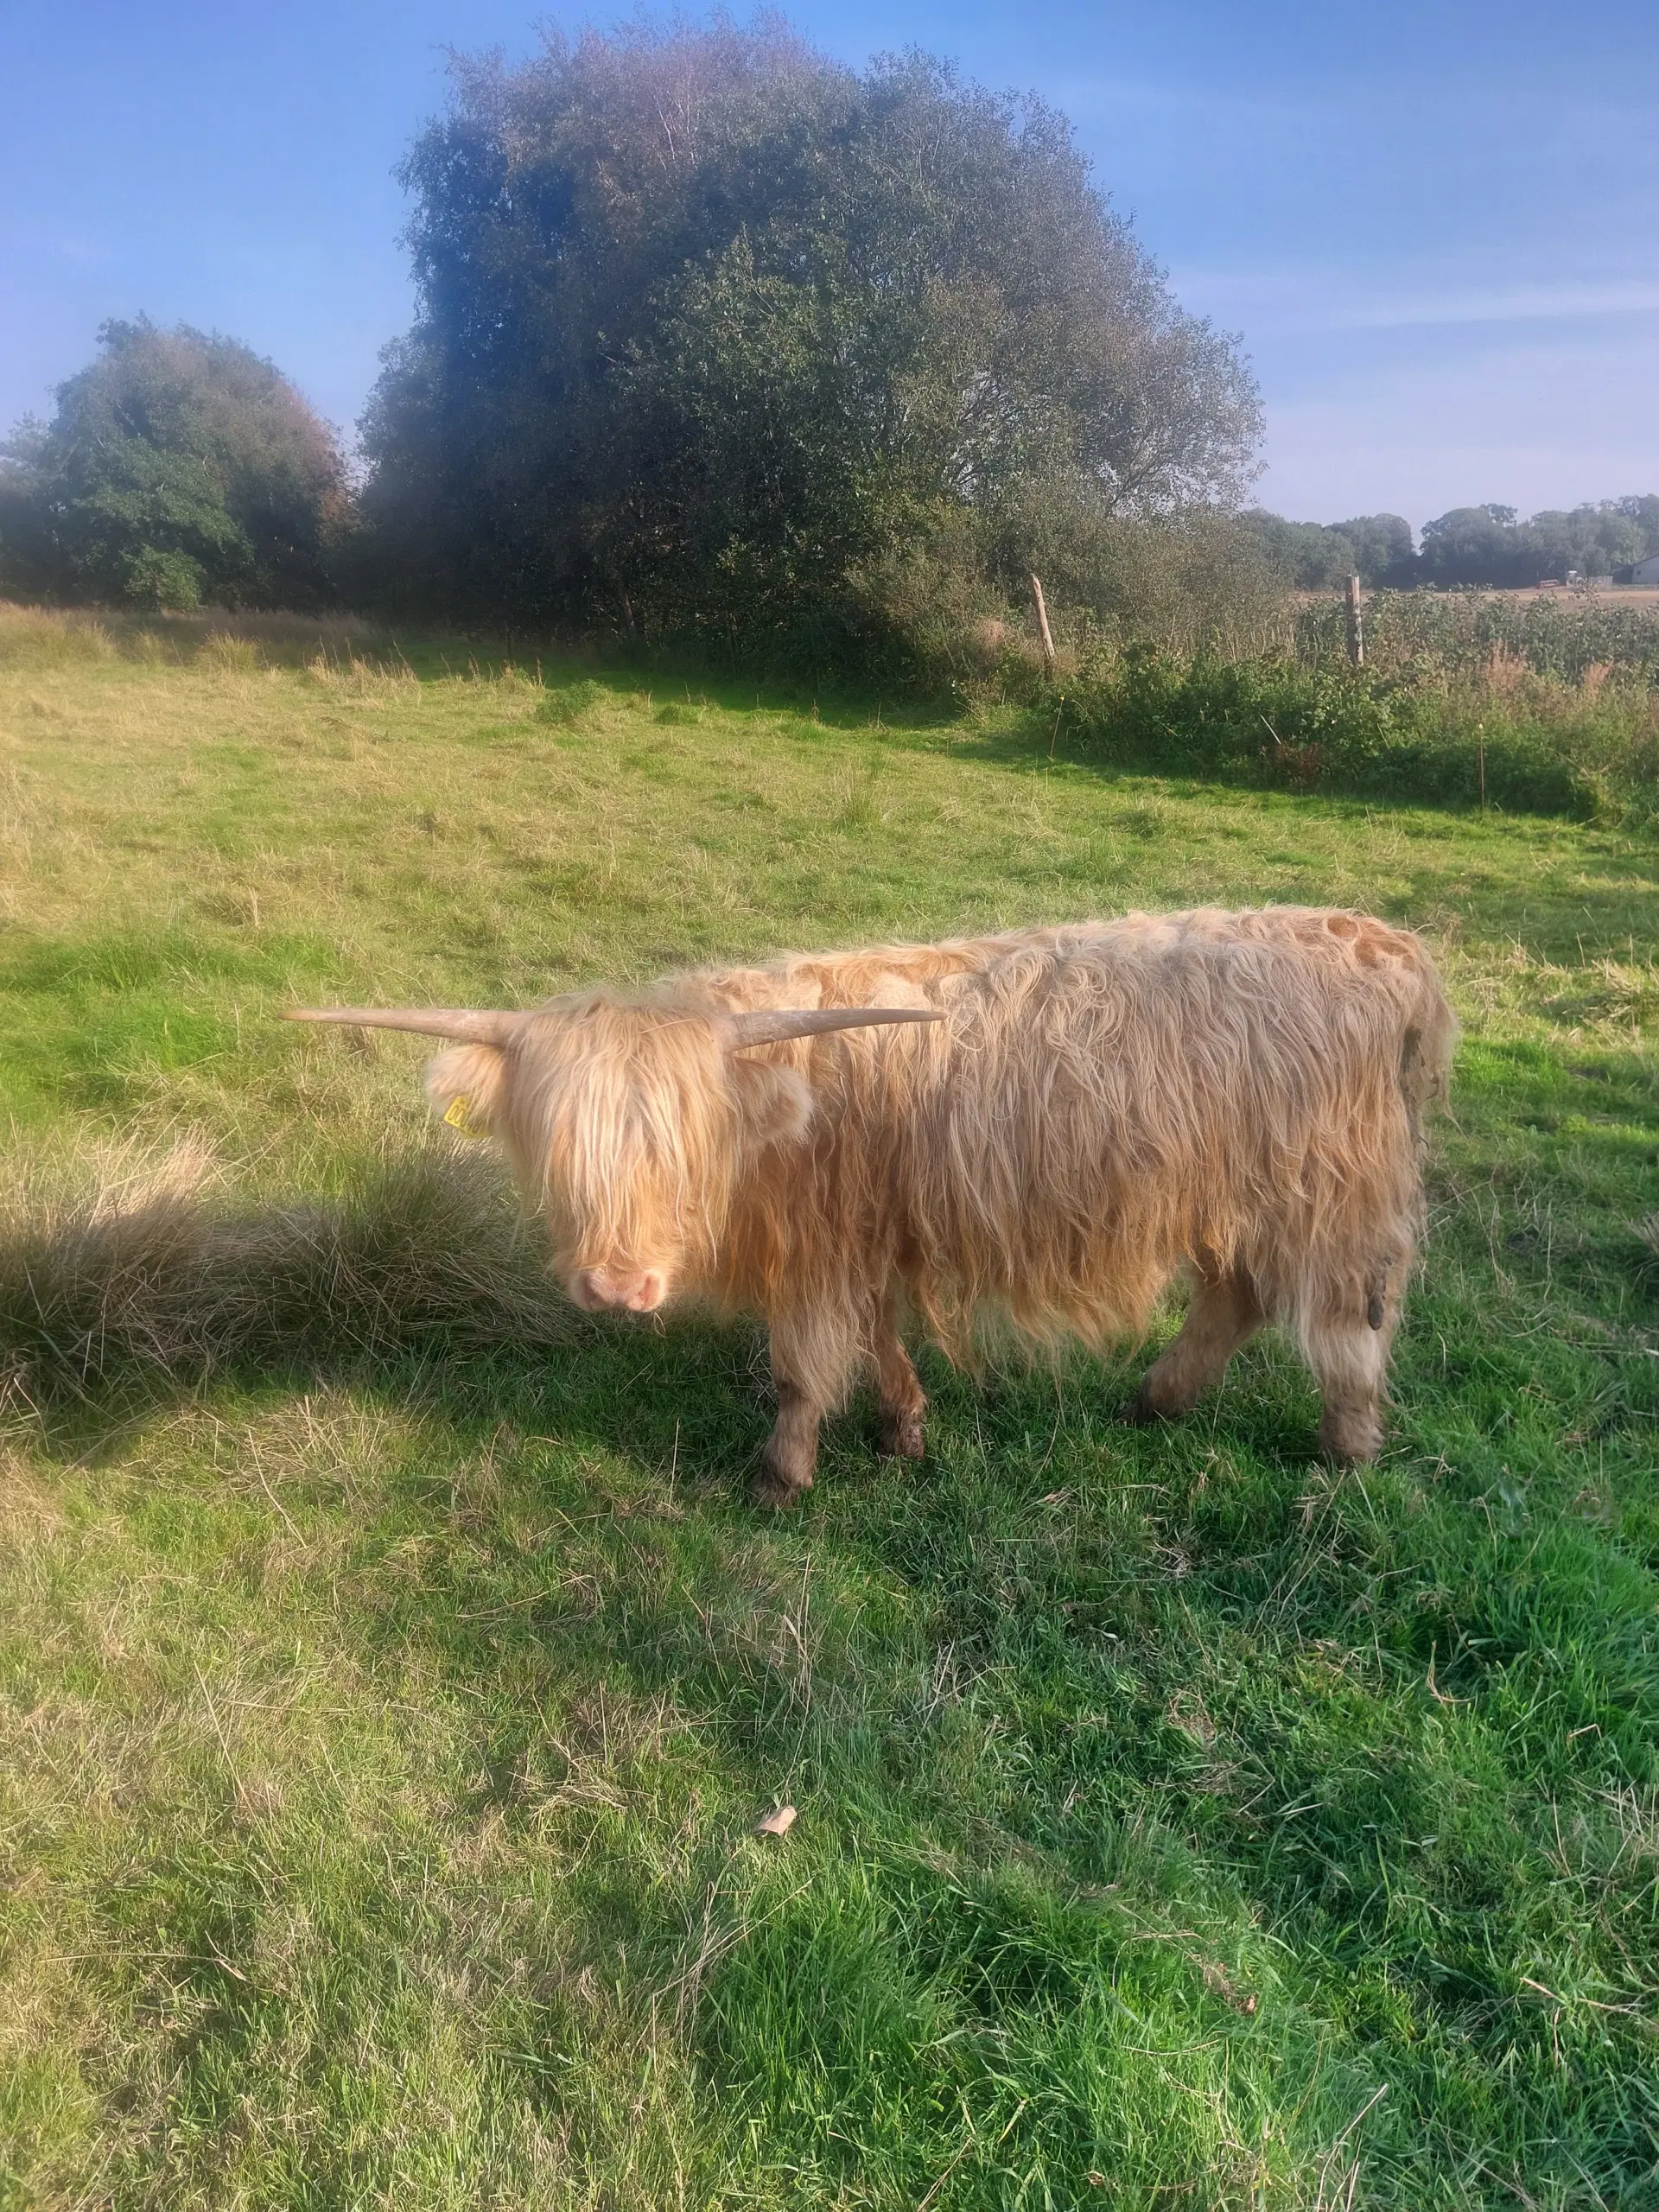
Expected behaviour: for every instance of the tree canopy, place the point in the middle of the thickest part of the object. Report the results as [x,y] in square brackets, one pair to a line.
[705,320]
[1316,557]
[178,467]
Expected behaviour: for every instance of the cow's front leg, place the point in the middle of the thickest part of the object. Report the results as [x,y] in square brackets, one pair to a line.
[900,1395]
[815,1356]
[791,1452]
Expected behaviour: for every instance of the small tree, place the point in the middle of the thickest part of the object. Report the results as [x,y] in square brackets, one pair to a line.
[178,468]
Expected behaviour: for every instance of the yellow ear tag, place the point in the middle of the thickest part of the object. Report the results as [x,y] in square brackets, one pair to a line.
[456,1117]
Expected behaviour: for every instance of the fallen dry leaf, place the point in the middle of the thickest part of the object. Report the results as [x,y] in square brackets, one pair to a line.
[777,1823]
[1217,1978]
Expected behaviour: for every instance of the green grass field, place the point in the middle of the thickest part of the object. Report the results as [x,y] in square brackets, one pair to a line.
[392,1671]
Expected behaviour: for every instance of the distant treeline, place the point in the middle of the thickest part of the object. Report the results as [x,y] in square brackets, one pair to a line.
[718,339]
[1489,547]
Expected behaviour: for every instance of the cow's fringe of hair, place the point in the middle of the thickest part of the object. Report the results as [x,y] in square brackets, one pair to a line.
[1107,1104]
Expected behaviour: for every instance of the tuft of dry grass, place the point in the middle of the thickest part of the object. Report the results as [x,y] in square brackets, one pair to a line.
[133,1262]
[365,680]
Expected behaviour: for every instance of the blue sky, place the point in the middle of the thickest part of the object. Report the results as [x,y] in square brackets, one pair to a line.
[1436,226]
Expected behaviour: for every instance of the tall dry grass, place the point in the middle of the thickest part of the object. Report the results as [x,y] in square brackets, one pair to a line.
[132,1262]
[47,638]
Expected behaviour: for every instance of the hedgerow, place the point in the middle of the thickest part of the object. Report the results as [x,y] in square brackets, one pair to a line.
[1504,737]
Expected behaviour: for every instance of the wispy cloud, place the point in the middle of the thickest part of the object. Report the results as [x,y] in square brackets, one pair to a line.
[1545,422]
[1092,98]
[1509,304]
[46,242]
[1317,298]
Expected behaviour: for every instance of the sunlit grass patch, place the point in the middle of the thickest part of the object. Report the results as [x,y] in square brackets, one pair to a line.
[392,1675]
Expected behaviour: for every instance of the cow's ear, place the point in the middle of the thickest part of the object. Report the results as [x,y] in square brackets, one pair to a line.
[464,1086]
[775,1103]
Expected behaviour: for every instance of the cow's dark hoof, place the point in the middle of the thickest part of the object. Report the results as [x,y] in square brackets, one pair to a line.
[1139,1412]
[903,1436]
[775,1490]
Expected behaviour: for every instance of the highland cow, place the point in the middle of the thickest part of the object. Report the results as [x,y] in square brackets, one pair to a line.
[1032,1133]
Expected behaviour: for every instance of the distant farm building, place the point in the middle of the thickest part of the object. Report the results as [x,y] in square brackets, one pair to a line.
[1642,572]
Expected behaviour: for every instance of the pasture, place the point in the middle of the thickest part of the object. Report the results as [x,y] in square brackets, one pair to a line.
[392,1671]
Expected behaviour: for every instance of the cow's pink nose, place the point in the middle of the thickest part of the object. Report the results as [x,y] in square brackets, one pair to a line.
[634,1290]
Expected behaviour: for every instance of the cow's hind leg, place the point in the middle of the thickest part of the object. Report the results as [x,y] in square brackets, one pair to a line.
[1348,1351]
[900,1395]
[1224,1313]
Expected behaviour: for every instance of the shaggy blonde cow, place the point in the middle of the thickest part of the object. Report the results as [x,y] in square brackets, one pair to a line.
[1034,1131]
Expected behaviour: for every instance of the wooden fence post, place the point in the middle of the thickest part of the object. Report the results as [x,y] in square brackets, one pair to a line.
[1042,626]
[1355,624]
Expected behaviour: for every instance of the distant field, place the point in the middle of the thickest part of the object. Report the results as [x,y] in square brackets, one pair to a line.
[392,1672]
[1615,596]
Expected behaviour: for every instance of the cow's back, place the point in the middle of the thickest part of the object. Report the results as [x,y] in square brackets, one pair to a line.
[1108,1098]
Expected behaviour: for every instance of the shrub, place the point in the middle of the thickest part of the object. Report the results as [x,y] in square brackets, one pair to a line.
[950,607]
[569,704]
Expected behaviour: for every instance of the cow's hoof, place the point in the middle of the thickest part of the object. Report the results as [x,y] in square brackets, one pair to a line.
[904,1436]
[1350,1441]
[775,1490]
[1139,1412]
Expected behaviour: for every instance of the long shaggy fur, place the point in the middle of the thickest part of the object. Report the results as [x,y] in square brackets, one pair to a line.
[1235,1094]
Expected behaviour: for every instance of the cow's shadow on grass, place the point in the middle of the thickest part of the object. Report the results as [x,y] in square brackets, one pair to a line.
[424,1288]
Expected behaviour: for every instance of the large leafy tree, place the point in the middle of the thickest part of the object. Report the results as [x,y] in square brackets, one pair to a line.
[1383,550]
[705,320]
[178,467]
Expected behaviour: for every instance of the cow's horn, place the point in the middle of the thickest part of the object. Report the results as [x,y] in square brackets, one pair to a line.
[743,1030]
[465,1025]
